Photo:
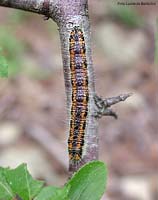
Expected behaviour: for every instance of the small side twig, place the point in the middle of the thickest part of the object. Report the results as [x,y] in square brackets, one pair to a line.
[102,105]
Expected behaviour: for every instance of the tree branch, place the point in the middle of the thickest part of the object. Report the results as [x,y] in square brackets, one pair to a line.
[80,89]
[35,6]
[75,13]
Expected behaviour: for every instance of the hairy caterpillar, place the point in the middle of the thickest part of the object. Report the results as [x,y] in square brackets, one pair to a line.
[80,94]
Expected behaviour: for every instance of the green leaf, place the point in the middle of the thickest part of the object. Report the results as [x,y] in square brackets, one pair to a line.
[3,66]
[18,182]
[5,190]
[53,193]
[12,50]
[89,182]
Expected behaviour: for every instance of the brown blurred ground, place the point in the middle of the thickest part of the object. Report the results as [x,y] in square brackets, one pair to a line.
[33,101]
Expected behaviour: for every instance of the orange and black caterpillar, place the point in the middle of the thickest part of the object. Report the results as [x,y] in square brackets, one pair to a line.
[80,94]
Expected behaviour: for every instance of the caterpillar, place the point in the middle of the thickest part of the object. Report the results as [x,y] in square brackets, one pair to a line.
[80,94]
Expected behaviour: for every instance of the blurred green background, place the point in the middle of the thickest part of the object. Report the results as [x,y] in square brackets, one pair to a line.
[33,126]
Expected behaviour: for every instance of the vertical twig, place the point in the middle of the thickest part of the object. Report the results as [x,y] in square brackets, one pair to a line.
[76,14]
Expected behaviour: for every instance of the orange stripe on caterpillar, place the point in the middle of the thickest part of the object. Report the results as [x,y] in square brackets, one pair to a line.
[80,94]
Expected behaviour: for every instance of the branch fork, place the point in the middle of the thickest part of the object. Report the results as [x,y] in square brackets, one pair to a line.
[102,105]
